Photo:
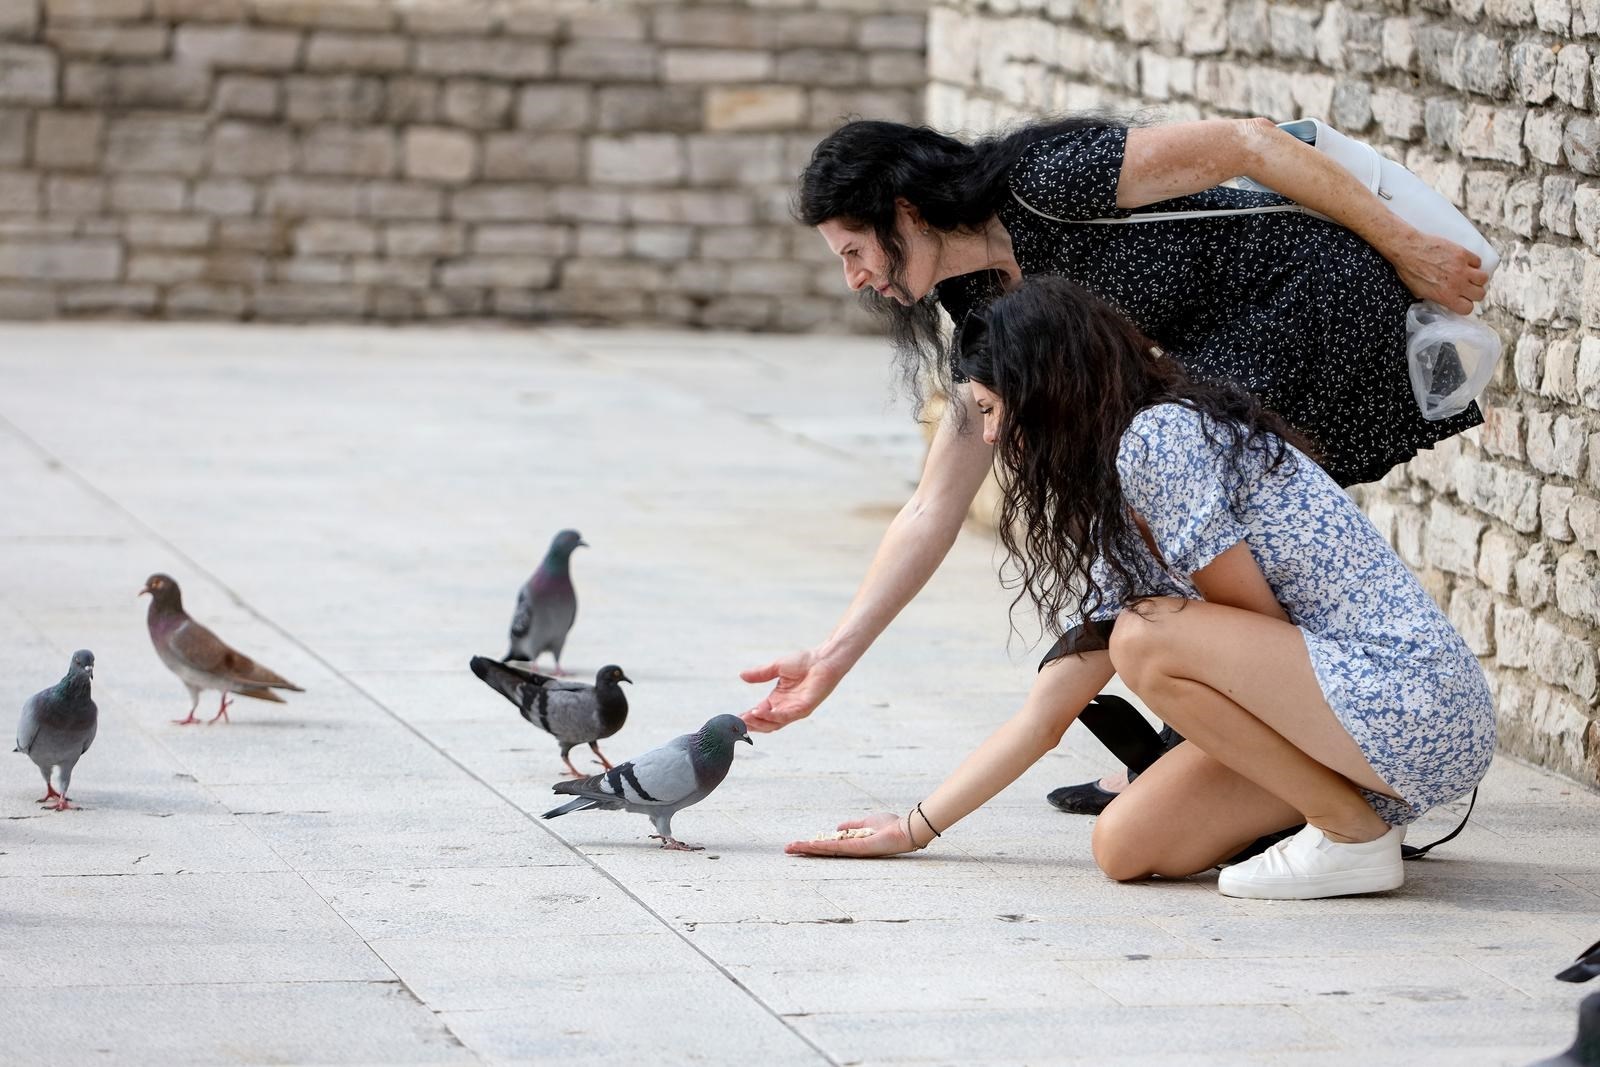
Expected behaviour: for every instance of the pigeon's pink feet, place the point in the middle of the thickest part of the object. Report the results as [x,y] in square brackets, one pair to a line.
[191,720]
[572,772]
[48,797]
[222,711]
[62,805]
[672,844]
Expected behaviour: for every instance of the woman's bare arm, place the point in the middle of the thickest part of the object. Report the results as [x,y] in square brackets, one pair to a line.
[1161,162]
[911,550]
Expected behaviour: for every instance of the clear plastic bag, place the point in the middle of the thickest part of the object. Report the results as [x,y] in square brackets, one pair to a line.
[1451,357]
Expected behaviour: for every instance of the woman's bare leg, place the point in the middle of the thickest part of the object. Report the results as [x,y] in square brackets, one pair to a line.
[1240,687]
[1186,814]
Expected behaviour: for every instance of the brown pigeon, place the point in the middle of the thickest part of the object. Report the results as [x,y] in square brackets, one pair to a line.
[199,658]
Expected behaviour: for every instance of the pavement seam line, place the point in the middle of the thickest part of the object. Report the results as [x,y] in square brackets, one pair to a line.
[61,467]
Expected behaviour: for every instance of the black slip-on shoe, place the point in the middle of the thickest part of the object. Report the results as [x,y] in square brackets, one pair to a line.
[1086,799]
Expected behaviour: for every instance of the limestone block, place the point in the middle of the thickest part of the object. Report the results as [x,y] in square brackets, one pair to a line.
[485,57]
[247,95]
[19,19]
[1272,95]
[67,140]
[1562,659]
[550,157]
[27,74]
[14,130]
[735,159]
[1558,210]
[539,239]
[1472,614]
[1439,53]
[251,149]
[613,276]
[1352,106]
[1583,515]
[75,196]
[1398,43]
[1586,18]
[222,196]
[601,25]
[238,47]
[324,237]
[515,202]
[1581,143]
[352,98]
[605,61]
[155,144]
[1441,120]
[805,66]
[1513,637]
[480,105]
[108,40]
[1588,377]
[636,159]
[404,273]
[310,302]
[714,27]
[1533,71]
[653,109]
[1510,12]
[1543,136]
[335,14]
[412,239]
[407,100]
[1397,112]
[1553,16]
[1554,501]
[329,50]
[1452,538]
[1313,93]
[361,150]
[1492,133]
[1508,494]
[1497,559]
[1292,31]
[450,17]
[1249,27]
[1591,291]
[908,32]
[240,236]
[403,200]
[1501,433]
[1483,64]
[142,193]
[1141,20]
[1520,212]
[1572,75]
[202,10]
[555,107]
[160,85]
[602,241]
[60,259]
[1536,576]
[669,243]
[741,243]
[438,153]
[896,68]
[764,107]
[820,29]
[1560,381]
[121,299]
[167,231]
[1557,443]
[325,197]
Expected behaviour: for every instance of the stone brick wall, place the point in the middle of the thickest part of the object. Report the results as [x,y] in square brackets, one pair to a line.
[402,159]
[1494,102]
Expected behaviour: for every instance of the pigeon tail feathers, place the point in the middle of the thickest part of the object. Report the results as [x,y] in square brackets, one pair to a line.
[581,804]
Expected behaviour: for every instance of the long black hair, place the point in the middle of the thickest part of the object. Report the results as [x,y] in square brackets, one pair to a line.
[858,172]
[1071,373]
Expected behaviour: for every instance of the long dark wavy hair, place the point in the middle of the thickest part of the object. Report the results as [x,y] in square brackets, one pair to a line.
[855,176]
[1071,373]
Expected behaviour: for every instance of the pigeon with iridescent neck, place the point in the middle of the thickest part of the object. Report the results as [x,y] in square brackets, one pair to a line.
[547,605]
[663,781]
[58,726]
[199,658]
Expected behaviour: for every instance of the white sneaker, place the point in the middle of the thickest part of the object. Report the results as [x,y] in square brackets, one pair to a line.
[1308,866]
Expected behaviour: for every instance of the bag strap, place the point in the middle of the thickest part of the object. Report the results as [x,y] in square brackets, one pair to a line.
[1422,853]
[1168,216]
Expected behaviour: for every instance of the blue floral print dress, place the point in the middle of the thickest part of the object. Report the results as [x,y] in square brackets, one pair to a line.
[1395,672]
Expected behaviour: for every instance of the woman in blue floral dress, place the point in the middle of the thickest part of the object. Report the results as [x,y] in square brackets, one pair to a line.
[1224,575]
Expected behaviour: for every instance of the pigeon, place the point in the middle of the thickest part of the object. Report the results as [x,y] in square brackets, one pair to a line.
[1586,966]
[546,604]
[571,712]
[199,658]
[1585,1050]
[663,781]
[58,726]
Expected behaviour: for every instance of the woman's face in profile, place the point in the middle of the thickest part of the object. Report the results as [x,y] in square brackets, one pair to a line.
[989,404]
[866,266]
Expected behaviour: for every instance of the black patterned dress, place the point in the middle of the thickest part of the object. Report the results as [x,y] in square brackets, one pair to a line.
[1298,310]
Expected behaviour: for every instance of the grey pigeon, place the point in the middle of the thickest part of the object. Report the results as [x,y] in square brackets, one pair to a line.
[571,712]
[1585,1050]
[199,658]
[663,781]
[547,604]
[58,726]
[1586,966]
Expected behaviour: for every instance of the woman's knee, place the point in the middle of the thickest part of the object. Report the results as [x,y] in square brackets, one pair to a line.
[1137,647]
[1120,851]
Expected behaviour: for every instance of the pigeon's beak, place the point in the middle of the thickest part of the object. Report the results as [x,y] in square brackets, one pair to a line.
[581,544]
[89,670]
[747,740]
[143,591]
[624,678]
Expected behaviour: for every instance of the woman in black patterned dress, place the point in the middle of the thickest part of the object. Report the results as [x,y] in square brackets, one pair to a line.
[1307,313]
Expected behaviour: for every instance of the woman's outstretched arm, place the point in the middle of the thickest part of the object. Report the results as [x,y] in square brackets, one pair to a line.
[1059,694]
[1161,162]
[911,550]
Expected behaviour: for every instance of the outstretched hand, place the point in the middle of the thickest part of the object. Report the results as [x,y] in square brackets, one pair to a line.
[804,681]
[888,838]
[1436,269]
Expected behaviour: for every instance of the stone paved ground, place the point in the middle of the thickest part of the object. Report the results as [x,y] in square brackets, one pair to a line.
[360,876]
